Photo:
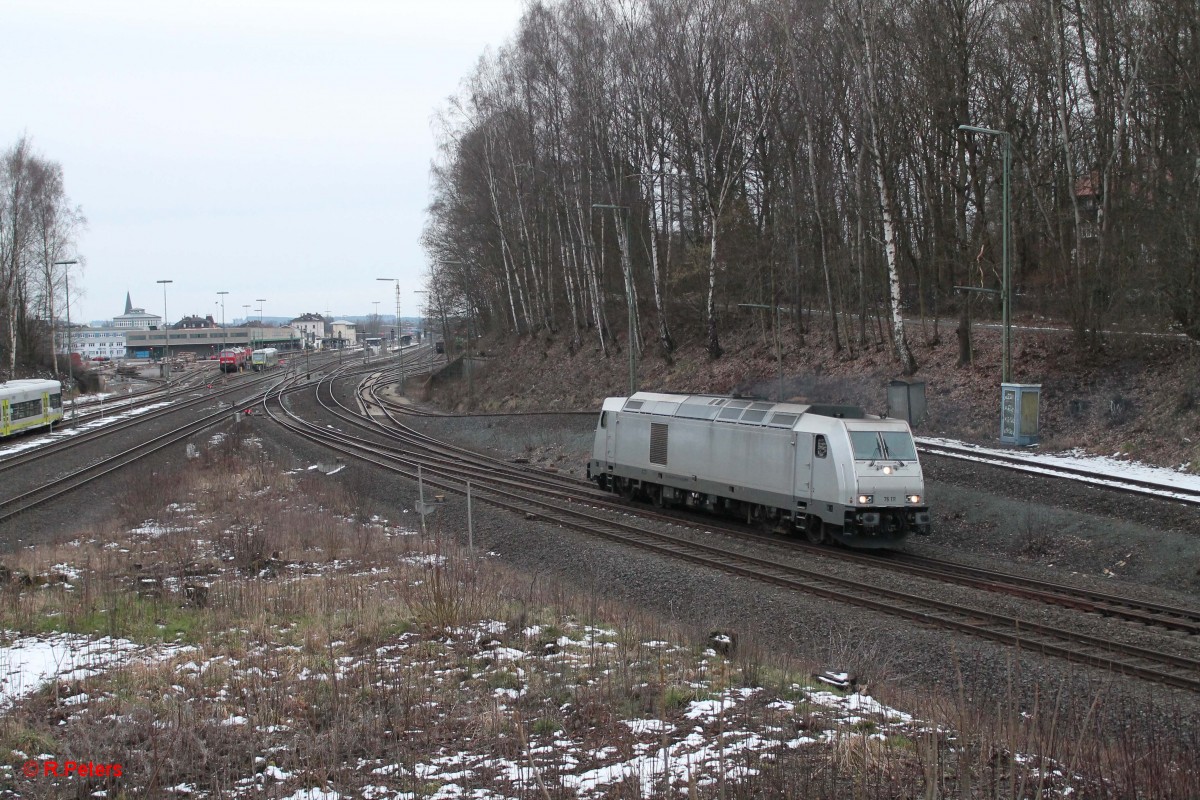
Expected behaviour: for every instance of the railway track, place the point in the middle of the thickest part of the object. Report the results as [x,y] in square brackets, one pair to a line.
[1104,604]
[551,499]
[1118,483]
[14,505]
[87,410]
[155,407]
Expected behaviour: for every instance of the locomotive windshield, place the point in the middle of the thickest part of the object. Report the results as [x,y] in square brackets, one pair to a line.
[883,445]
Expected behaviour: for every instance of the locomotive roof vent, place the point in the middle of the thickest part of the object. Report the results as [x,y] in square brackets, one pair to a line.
[841,412]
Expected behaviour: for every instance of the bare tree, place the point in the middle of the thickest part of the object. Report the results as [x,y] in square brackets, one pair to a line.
[866,21]
[55,226]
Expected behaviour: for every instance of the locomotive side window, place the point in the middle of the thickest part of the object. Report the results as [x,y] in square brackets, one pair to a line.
[28,408]
[820,447]
[603,419]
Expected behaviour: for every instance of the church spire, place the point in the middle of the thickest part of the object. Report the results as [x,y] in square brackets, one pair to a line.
[128,304]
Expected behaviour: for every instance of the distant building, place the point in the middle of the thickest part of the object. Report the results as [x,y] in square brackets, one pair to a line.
[195,323]
[135,318]
[90,343]
[341,333]
[311,327]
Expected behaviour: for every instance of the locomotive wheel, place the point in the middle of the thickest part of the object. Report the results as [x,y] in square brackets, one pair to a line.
[815,531]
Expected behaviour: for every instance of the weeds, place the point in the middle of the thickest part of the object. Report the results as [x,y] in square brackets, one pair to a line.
[1034,538]
[328,654]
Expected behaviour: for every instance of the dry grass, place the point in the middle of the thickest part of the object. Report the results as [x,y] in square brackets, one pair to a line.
[299,645]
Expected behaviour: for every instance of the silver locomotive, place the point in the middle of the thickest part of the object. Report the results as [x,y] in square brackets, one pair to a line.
[830,472]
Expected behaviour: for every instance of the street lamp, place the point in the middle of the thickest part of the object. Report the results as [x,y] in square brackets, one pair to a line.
[628,268]
[399,343]
[222,319]
[262,333]
[167,339]
[246,323]
[70,339]
[1005,300]
[778,345]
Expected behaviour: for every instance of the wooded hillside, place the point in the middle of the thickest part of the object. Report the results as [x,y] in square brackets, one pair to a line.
[692,156]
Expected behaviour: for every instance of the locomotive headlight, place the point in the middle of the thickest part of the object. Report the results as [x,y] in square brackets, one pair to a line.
[914,499]
[866,499]
[887,470]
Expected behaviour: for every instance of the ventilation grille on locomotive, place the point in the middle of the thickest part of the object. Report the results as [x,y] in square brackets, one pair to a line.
[658,444]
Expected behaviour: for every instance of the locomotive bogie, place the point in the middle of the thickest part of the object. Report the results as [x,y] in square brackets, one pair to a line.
[828,472]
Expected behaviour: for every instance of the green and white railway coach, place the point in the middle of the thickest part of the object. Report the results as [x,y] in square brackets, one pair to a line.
[28,404]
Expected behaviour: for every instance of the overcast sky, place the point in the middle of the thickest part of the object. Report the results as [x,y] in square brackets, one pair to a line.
[274,149]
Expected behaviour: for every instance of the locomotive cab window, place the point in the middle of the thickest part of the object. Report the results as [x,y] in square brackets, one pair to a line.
[883,446]
[820,447]
[899,445]
[867,445]
[603,419]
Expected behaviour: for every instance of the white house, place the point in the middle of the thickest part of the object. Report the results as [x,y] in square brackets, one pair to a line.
[311,327]
[92,343]
[135,318]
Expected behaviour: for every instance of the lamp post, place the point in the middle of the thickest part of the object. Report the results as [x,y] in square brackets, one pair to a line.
[246,322]
[70,339]
[307,362]
[399,343]
[627,258]
[1005,299]
[166,338]
[778,345]
[222,319]
[262,333]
